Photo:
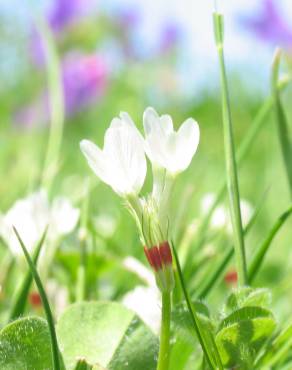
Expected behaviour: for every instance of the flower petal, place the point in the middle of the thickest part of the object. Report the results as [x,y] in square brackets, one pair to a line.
[157,130]
[161,126]
[187,141]
[64,216]
[126,158]
[96,160]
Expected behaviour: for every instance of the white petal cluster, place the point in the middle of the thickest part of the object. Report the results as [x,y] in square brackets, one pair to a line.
[144,300]
[122,163]
[32,215]
[165,147]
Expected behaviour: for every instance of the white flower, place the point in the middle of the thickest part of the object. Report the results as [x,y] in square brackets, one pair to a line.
[220,217]
[167,148]
[144,300]
[121,164]
[146,303]
[135,266]
[58,296]
[32,215]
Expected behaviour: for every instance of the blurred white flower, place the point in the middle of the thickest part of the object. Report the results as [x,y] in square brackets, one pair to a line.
[32,215]
[59,296]
[221,218]
[105,224]
[135,266]
[122,163]
[167,148]
[145,301]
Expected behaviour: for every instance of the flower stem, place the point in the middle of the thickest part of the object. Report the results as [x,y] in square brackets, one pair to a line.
[163,357]
[281,120]
[56,105]
[231,167]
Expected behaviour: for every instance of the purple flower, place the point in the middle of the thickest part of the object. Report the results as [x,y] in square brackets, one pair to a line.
[61,14]
[269,25]
[64,11]
[84,79]
[171,34]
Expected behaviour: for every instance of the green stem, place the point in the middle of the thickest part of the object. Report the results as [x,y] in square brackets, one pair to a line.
[211,279]
[281,120]
[231,167]
[242,152]
[209,348]
[163,357]
[56,105]
[81,292]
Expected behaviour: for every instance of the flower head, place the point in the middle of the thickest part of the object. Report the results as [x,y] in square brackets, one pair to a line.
[32,215]
[64,11]
[122,163]
[220,218]
[269,25]
[84,79]
[167,148]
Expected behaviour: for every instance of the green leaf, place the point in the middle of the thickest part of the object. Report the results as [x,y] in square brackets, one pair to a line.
[25,345]
[242,334]
[258,297]
[236,298]
[247,296]
[278,349]
[108,334]
[245,313]
[83,365]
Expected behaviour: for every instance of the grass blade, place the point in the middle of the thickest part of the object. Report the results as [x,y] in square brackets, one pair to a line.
[242,152]
[83,237]
[18,304]
[230,160]
[50,320]
[213,363]
[264,247]
[209,281]
[276,351]
[281,120]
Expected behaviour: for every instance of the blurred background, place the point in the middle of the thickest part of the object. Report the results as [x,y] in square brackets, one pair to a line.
[126,55]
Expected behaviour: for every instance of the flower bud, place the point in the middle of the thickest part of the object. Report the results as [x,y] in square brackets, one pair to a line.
[160,259]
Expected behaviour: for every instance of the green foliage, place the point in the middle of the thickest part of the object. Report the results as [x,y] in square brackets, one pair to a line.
[246,328]
[18,304]
[108,334]
[240,341]
[25,345]
[49,316]
[247,296]
[276,351]
[205,335]
[182,323]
